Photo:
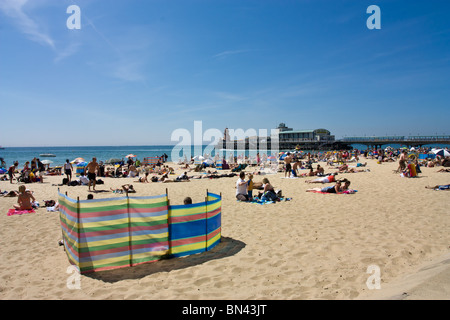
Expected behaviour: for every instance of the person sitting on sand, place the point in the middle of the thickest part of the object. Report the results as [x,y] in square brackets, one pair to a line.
[269,192]
[319,171]
[241,188]
[187,200]
[326,179]
[25,199]
[330,189]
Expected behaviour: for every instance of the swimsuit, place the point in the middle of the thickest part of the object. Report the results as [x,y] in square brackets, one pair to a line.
[91,176]
[329,189]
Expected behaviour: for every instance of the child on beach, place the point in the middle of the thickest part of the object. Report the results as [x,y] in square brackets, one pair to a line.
[25,199]
[11,171]
[250,186]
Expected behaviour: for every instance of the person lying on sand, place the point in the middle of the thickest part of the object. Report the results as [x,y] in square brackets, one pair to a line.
[127,188]
[440,187]
[11,194]
[330,189]
[326,179]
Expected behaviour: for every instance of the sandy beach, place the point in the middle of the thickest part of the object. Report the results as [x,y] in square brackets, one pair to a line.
[315,246]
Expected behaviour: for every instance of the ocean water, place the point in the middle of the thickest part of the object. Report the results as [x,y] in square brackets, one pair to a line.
[104,153]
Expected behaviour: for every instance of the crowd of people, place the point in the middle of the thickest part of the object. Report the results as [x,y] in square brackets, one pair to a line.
[291,164]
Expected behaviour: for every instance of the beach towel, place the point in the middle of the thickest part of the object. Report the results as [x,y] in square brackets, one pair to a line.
[259,201]
[12,212]
[349,191]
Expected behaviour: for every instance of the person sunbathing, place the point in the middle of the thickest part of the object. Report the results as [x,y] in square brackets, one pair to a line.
[330,189]
[326,179]
[345,186]
[127,188]
[25,199]
[443,170]
[440,187]
[311,173]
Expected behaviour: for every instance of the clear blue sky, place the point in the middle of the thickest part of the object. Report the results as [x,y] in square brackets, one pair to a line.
[139,69]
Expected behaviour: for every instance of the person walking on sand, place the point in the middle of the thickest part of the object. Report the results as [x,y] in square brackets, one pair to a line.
[92,169]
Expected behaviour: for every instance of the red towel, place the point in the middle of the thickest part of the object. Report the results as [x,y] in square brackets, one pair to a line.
[12,212]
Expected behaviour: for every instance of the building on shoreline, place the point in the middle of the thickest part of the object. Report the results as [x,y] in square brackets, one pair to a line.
[286,138]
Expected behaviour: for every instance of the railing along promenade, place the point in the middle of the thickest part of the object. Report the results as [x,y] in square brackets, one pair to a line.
[403,140]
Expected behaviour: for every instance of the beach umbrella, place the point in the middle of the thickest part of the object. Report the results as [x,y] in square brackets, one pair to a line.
[77,160]
[283,156]
[199,158]
[208,161]
[130,156]
[441,152]
[46,161]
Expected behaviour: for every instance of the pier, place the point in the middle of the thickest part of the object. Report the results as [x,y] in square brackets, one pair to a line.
[409,141]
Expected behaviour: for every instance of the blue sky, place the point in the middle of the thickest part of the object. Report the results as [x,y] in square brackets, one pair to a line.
[139,69]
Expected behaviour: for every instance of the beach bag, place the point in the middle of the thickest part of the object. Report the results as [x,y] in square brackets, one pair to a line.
[49,203]
[65,181]
[100,181]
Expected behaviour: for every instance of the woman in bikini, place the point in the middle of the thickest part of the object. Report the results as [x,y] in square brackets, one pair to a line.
[330,189]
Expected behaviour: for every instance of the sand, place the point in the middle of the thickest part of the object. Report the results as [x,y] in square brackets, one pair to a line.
[316,246]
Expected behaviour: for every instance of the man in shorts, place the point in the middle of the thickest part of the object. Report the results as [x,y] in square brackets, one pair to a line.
[92,169]
[287,161]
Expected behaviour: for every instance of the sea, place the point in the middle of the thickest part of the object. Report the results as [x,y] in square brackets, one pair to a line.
[104,153]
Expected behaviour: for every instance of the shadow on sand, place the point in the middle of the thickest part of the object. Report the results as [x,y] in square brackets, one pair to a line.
[226,248]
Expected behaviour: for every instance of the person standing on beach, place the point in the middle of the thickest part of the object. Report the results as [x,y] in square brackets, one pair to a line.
[68,170]
[402,161]
[287,161]
[92,168]
[11,171]
[41,168]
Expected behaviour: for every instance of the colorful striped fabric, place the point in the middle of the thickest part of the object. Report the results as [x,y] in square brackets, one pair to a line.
[214,219]
[150,160]
[113,233]
[195,228]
